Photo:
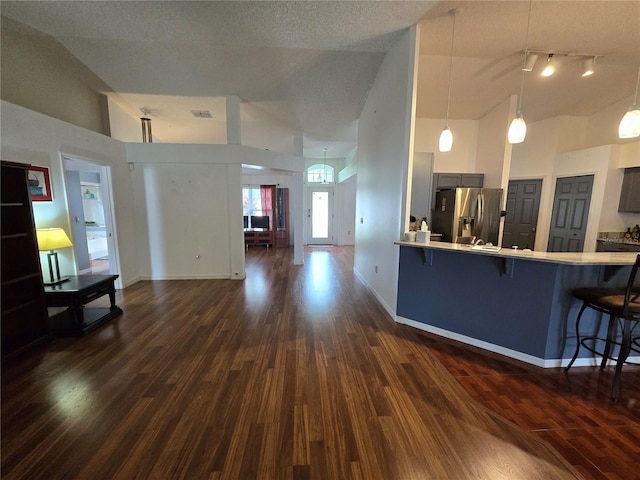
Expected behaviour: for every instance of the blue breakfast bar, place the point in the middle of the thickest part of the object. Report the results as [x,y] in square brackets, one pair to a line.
[513,302]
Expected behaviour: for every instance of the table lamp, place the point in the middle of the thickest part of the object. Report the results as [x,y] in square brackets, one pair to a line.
[50,239]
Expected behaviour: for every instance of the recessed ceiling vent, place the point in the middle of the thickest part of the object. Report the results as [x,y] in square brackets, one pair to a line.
[201,113]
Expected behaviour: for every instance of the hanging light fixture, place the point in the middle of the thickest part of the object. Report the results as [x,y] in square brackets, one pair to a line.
[518,128]
[146,125]
[446,137]
[323,178]
[630,124]
[550,68]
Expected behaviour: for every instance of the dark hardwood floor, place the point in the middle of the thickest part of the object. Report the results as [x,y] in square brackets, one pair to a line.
[572,411]
[295,373]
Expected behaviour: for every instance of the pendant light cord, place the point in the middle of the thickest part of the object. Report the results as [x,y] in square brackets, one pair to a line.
[453,12]
[635,97]
[524,58]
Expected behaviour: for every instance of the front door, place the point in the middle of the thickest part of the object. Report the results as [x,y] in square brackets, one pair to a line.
[521,221]
[570,214]
[320,216]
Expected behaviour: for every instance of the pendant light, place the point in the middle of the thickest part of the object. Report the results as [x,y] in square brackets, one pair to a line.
[518,128]
[446,137]
[630,124]
[323,179]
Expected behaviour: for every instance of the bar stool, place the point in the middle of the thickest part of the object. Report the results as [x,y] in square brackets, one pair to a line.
[622,306]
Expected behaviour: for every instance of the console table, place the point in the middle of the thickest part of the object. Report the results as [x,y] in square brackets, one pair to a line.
[258,237]
[74,294]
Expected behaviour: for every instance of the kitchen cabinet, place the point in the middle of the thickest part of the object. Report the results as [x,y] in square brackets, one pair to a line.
[443,181]
[630,194]
[617,247]
[25,321]
[453,180]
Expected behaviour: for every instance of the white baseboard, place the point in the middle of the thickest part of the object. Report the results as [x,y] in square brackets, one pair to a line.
[188,277]
[523,357]
[384,304]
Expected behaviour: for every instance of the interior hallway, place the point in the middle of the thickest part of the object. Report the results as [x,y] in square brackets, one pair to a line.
[295,373]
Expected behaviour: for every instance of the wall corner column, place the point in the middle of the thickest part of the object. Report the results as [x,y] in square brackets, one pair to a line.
[234,136]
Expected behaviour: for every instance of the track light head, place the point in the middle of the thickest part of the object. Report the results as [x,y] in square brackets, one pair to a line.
[530,60]
[550,68]
[588,65]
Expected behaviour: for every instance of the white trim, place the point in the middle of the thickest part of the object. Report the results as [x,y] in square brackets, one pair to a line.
[384,304]
[131,282]
[507,352]
[190,276]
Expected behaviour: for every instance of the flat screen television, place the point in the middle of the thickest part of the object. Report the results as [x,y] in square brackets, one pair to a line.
[260,221]
[245,218]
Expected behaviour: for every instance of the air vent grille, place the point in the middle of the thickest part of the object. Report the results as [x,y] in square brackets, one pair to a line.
[201,113]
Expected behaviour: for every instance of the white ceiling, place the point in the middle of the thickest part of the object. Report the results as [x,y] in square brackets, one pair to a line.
[307,66]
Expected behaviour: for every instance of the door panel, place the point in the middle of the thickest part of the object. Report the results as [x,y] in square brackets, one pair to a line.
[320,216]
[521,221]
[570,214]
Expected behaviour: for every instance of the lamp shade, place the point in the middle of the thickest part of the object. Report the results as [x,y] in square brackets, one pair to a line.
[630,124]
[52,239]
[446,140]
[517,129]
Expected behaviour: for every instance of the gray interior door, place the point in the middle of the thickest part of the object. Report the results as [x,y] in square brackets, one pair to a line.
[521,221]
[570,214]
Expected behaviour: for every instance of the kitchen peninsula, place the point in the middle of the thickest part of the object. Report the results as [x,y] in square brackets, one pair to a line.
[513,302]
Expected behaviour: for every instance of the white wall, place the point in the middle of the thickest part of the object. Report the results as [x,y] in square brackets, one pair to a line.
[40,74]
[494,151]
[189,203]
[462,157]
[123,126]
[384,149]
[602,127]
[612,220]
[560,146]
[184,210]
[31,137]
[346,211]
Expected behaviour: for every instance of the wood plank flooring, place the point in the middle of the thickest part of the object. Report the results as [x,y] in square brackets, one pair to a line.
[572,411]
[295,373]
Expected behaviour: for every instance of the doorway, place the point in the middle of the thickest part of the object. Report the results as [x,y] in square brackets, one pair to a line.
[320,215]
[521,221]
[90,196]
[570,214]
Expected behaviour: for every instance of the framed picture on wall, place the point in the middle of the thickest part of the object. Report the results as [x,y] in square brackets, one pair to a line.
[40,184]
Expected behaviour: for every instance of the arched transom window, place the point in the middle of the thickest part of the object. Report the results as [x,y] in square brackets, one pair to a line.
[320,173]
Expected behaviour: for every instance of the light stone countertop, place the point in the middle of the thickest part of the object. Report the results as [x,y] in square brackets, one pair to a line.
[568,258]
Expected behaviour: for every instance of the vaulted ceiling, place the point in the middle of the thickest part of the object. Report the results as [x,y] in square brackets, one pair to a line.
[307,66]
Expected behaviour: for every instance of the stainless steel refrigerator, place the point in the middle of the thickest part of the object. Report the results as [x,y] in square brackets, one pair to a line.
[464,215]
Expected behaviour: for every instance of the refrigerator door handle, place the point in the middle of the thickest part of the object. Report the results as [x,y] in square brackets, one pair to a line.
[480,216]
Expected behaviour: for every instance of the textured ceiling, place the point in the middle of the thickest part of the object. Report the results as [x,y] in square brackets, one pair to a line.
[307,66]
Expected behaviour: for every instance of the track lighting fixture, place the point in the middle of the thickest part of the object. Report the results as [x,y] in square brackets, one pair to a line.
[531,57]
[630,124]
[588,65]
[550,68]
[530,60]
[446,137]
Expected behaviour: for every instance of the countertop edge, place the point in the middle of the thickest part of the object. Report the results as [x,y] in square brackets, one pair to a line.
[566,258]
